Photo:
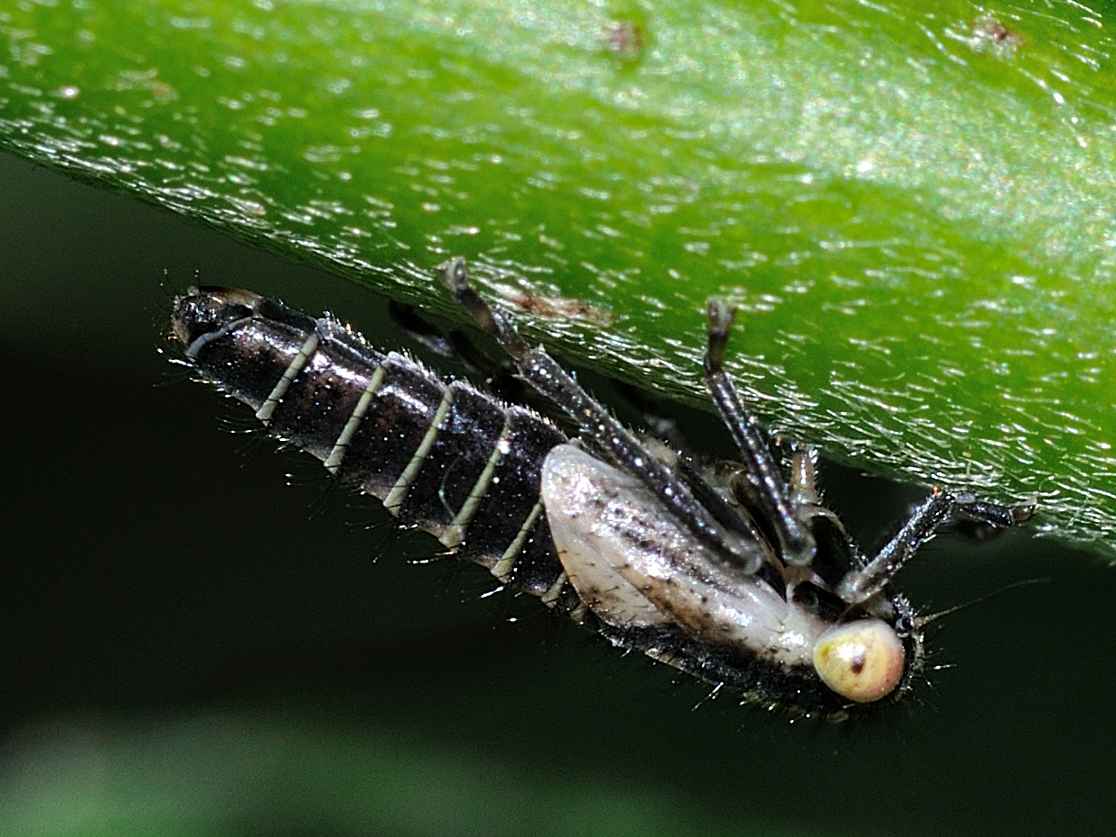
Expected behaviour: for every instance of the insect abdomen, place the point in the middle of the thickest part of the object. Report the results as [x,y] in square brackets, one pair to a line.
[444,457]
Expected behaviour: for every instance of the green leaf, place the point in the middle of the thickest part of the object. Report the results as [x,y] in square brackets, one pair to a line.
[912,204]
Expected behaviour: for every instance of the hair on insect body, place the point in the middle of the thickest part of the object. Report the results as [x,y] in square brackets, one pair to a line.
[740,577]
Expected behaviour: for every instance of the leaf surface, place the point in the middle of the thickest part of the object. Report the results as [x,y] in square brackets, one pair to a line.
[911,204]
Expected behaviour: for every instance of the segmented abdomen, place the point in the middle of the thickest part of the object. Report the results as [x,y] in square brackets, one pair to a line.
[442,456]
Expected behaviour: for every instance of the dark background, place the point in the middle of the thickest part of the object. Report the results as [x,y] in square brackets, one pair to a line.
[199,639]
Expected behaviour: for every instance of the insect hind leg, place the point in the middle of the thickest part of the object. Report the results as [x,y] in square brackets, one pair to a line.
[604,431]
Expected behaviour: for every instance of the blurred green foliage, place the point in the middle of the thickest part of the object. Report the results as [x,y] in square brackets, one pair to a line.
[911,204]
[240,773]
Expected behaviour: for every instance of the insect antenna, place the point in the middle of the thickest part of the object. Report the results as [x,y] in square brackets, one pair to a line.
[929,618]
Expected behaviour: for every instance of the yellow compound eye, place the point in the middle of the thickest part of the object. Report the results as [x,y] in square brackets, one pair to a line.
[861,661]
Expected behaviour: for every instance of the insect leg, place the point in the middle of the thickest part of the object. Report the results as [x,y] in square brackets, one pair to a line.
[803,476]
[861,584]
[755,447]
[731,518]
[553,382]
[808,503]
[499,375]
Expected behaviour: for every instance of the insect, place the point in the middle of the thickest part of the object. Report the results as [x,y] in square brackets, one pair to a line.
[746,581]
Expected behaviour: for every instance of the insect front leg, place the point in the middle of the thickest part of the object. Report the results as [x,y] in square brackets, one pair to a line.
[807,499]
[861,584]
[604,431]
[803,476]
[771,490]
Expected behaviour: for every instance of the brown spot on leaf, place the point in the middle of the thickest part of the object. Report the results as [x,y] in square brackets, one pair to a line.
[990,34]
[625,39]
[555,307]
